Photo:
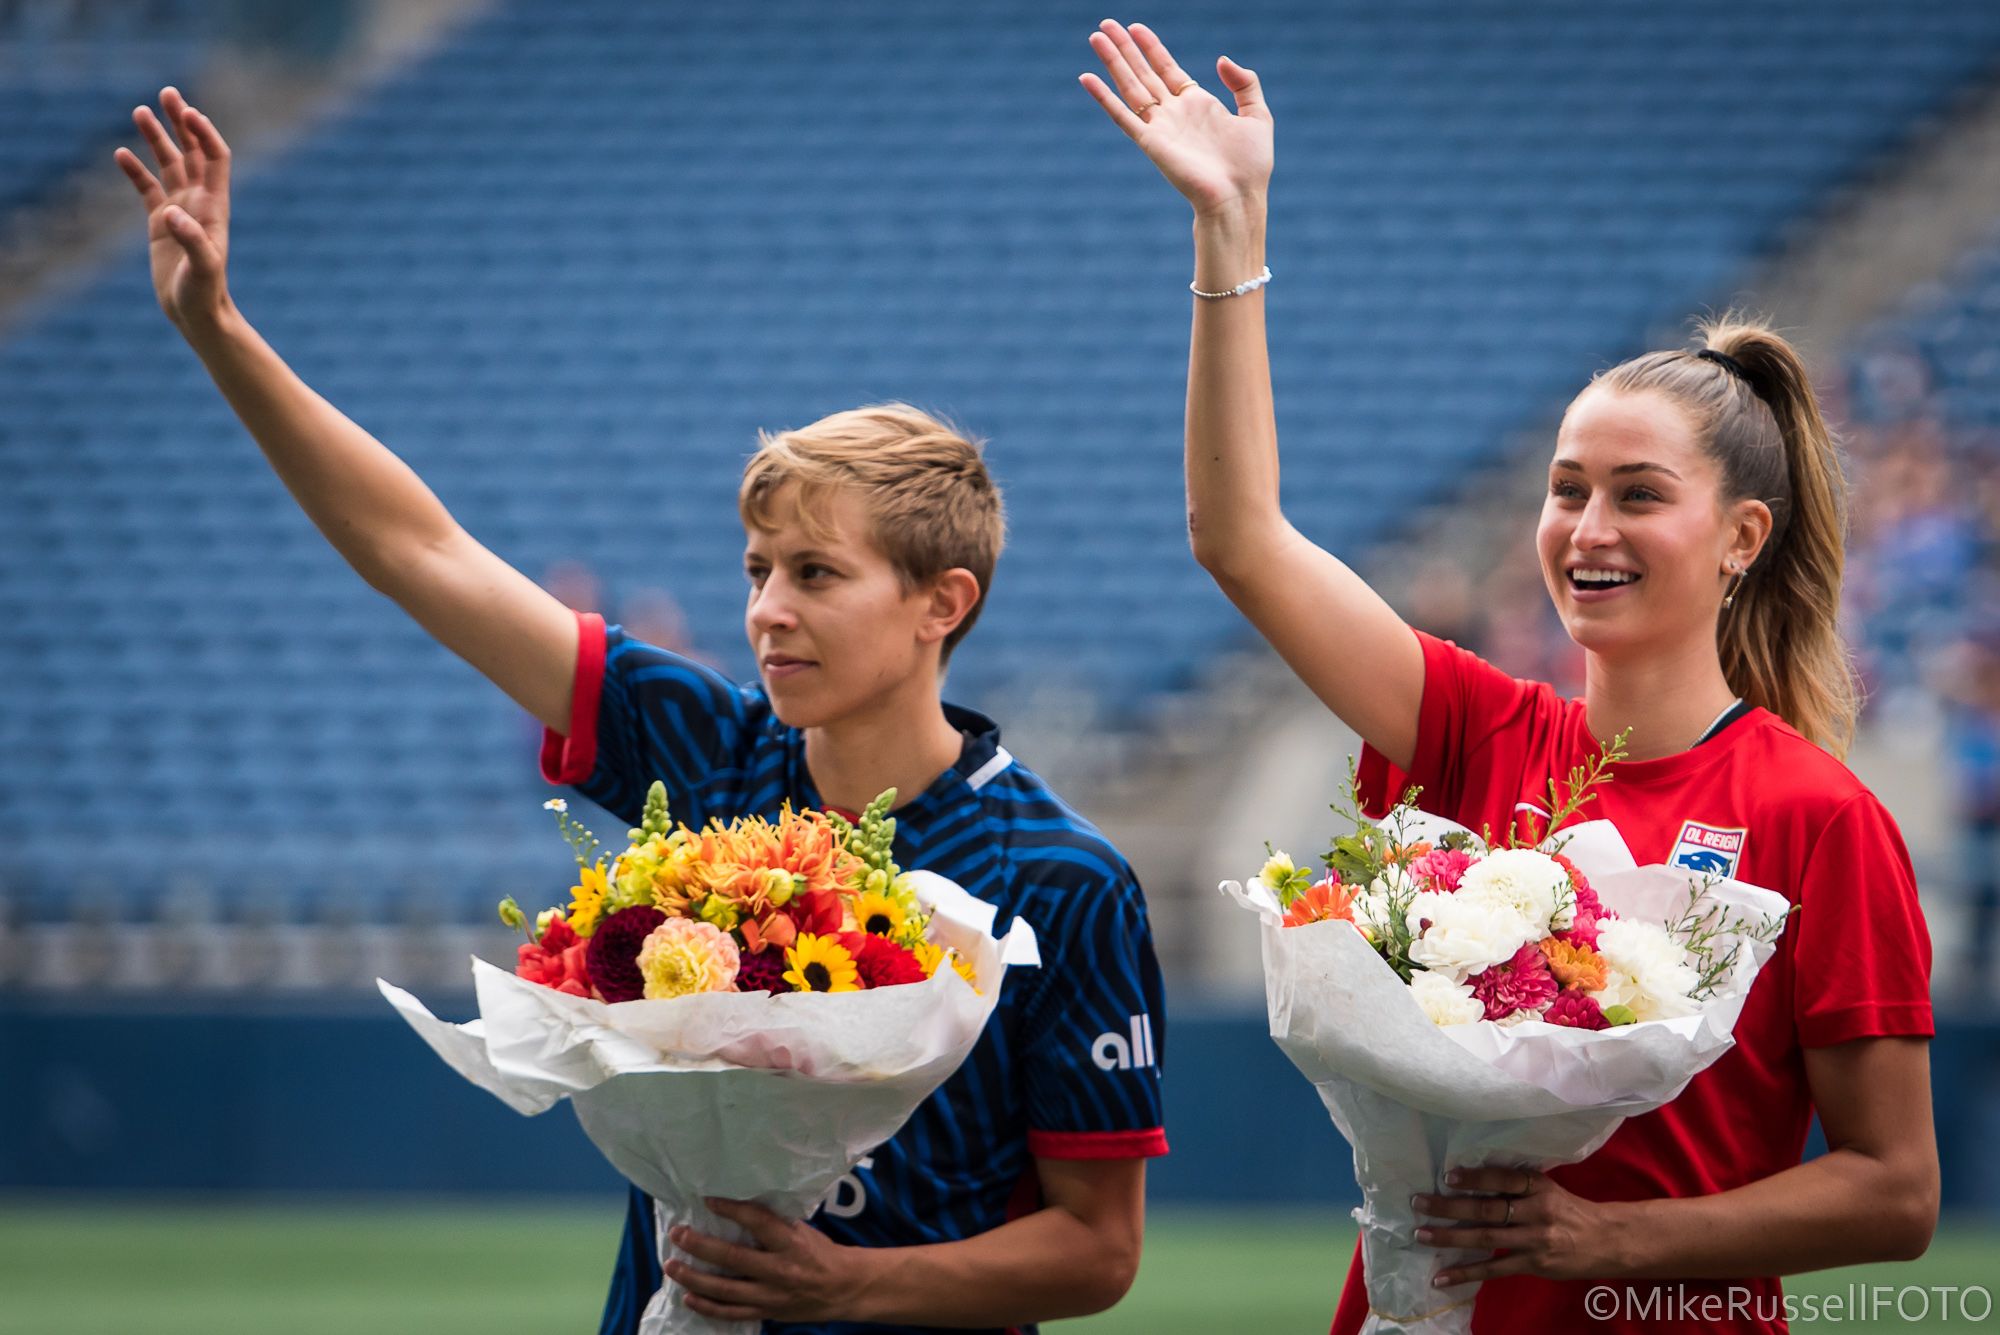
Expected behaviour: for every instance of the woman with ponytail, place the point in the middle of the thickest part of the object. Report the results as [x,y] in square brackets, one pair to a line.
[1691,539]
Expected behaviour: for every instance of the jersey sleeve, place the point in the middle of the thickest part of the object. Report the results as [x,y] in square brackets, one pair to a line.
[1093,1035]
[640,713]
[1467,702]
[1863,952]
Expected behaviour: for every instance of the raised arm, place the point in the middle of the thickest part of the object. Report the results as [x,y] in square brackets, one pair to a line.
[368,503]
[1346,643]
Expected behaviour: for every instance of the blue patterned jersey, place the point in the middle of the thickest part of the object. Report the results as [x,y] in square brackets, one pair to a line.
[1069,1065]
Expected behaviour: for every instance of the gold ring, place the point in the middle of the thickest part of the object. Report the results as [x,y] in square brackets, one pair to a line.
[1184,87]
[1141,111]
[1507,1220]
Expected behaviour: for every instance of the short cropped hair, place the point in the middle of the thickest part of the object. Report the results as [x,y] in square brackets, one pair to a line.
[932,504]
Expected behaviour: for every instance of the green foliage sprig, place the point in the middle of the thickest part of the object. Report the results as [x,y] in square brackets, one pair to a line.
[1705,923]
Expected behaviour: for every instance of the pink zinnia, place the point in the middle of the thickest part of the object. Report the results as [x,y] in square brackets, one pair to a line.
[1522,983]
[1576,1010]
[1441,868]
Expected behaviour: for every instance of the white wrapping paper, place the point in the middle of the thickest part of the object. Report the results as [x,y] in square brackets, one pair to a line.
[1415,1099]
[732,1094]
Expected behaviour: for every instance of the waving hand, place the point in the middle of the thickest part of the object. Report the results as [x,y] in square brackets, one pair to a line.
[187,208]
[1214,156]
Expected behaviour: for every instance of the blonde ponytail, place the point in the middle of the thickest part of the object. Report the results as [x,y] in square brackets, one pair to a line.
[1753,405]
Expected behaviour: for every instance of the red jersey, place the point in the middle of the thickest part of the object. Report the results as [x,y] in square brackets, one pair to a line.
[1757,802]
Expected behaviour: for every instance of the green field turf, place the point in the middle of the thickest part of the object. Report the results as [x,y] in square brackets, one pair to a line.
[485,1268]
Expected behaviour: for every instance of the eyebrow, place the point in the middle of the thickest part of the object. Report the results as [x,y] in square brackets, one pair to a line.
[809,554]
[1575,467]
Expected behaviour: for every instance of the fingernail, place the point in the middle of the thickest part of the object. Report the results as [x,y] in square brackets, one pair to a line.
[1441,1282]
[1424,1235]
[1454,1177]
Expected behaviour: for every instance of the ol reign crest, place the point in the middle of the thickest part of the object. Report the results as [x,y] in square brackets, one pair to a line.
[1708,849]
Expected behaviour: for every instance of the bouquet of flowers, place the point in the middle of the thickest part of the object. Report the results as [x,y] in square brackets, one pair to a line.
[1461,1000]
[809,903]
[741,1011]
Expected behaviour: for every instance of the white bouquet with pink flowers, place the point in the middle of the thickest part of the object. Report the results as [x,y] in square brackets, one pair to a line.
[1460,1002]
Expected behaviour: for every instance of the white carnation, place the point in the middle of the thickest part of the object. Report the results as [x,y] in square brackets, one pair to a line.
[1533,884]
[1445,1001]
[1638,947]
[1649,971]
[1424,909]
[1467,935]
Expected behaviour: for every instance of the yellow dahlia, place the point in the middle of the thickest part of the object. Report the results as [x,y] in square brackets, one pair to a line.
[681,957]
[820,964]
[587,900]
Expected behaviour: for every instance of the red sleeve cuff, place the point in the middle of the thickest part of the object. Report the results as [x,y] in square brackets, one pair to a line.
[1909,1019]
[1147,1144]
[571,759]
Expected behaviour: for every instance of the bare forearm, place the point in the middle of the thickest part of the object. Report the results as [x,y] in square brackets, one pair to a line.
[1041,1267]
[1232,435]
[1843,1208]
[367,502]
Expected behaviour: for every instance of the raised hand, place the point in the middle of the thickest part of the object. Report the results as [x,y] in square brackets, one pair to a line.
[187,209]
[1215,157]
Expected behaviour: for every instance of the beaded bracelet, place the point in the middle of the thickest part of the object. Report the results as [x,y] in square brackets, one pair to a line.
[1242,289]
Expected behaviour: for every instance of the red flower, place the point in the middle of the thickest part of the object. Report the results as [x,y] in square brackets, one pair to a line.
[763,973]
[1576,1011]
[1522,983]
[880,961]
[558,961]
[613,952]
[816,911]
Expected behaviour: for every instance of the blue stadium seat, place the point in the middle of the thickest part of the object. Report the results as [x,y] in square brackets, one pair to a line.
[570,261]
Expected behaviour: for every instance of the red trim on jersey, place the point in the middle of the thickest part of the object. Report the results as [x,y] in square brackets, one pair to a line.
[1147,1144]
[570,760]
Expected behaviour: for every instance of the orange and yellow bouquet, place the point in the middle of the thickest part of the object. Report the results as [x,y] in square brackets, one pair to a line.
[807,903]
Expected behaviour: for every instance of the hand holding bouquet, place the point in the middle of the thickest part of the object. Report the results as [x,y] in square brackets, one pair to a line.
[1459,1000]
[742,1011]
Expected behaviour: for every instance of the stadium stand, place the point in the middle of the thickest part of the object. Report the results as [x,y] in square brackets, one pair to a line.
[69,75]
[569,263]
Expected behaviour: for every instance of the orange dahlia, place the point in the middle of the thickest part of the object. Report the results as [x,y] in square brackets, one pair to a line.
[1577,967]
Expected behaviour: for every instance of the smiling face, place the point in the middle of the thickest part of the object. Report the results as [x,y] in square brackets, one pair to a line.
[835,627]
[1636,538]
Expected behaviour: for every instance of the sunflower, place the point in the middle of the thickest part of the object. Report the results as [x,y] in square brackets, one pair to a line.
[587,899]
[820,964]
[878,915]
[933,956]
